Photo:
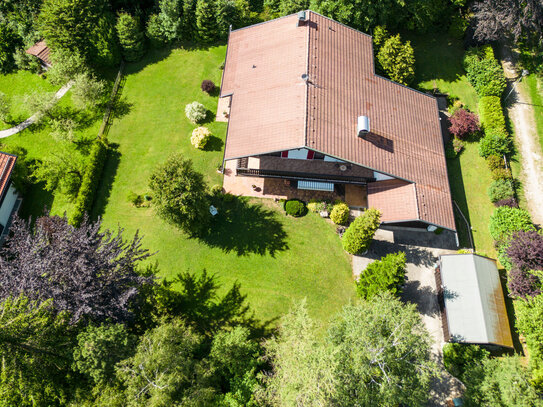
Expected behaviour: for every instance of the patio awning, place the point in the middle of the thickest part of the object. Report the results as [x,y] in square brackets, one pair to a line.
[316,186]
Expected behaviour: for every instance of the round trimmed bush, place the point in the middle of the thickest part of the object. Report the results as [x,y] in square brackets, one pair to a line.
[200,137]
[296,208]
[340,213]
[208,86]
[196,112]
[501,173]
[494,162]
[359,234]
[495,142]
[500,189]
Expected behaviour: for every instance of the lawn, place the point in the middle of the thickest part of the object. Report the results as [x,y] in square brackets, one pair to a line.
[533,85]
[439,66]
[16,86]
[276,259]
[39,144]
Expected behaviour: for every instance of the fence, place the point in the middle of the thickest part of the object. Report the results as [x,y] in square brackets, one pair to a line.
[106,122]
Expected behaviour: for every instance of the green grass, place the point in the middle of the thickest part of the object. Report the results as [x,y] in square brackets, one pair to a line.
[277,259]
[39,144]
[16,86]
[534,87]
[439,66]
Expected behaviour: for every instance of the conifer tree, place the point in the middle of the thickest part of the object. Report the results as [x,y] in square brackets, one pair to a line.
[131,37]
[206,23]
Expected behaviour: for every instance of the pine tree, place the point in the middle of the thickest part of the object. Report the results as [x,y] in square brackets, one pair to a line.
[226,15]
[130,37]
[189,18]
[205,20]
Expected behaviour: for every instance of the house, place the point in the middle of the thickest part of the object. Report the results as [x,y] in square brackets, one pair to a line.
[472,301]
[9,199]
[41,51]
[309,118]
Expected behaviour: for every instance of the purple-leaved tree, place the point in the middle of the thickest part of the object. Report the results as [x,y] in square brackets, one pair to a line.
[89,273]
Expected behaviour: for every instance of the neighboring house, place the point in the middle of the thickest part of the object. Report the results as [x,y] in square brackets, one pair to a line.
[41,51]
[9,199]
[309,118]
[472,301]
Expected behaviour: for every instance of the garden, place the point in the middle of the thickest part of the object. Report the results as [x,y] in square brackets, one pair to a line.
[276,259]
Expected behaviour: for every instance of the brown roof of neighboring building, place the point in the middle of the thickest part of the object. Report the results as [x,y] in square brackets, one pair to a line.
[41,51]
[7,162]
[274,109]
[396,199]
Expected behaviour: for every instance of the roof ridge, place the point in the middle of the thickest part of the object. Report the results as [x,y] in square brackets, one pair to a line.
[480,297]
[308,44]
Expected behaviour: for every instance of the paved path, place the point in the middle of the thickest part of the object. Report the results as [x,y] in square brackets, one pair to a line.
[420,289]
[522,115]
[21,126]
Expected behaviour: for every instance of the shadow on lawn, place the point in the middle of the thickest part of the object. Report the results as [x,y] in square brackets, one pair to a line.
[106,182]
[454,168]
[245,228]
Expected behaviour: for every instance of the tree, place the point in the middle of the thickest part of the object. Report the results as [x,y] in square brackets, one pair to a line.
[180,195]
[359,234]
[87,91]
[292,6]
[463,123]
[8,44]
[63,169]
[166,26]
[529,314]
[35,349]
[205,20]
[99,349]
[189,28]
[375,353]
[86,272]
[131,37]
[42,104]
[385,275]
[501,19]
[5,108]
[85,26]
[165,371]
[66,66]
[226,15]
[499,382]
[397,60]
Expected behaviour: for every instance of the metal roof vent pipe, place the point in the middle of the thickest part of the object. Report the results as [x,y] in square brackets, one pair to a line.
[302,18]
[363,126]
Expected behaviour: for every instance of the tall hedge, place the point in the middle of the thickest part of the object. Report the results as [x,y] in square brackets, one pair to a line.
[491,113]
[89,184]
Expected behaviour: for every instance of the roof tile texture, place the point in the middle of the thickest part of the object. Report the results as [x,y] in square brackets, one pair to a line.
[7,162]
[274,109]
[396,199]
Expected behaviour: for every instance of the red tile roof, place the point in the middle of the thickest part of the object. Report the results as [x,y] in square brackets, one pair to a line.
[41,51]
[396,199]
[274,109]
[7,162]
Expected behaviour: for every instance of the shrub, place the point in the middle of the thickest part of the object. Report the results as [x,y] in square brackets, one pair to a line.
[135,199]
[506,220]
[89,183]
[458,145]
[397,60]
[457,357]
[200,137]
[359,234]
[196,112]
[316,206]
[500,189]
[495,143]
[523,284]
[491,113]
[511,202]
[208,86]
[295,208]
[525,250]
[340,213]
[463,123]
[387,274]
[5,108]
[494,162]
[501,173]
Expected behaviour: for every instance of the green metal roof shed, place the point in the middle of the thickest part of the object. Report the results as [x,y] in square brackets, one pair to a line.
[474,303]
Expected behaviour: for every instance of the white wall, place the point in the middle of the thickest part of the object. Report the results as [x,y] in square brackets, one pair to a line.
[7,205]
